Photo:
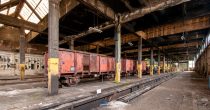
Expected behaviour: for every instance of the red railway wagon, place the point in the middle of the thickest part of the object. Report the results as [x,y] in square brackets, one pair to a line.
[74,65]
[127,66]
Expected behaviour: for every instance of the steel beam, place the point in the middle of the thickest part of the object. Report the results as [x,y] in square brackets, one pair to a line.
[53,43]
[117,39]
[140,58]
[22,54]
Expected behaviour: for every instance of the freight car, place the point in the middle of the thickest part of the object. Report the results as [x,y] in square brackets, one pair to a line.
[76,65]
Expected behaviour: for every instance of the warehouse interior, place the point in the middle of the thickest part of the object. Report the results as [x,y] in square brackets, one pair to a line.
[156,53]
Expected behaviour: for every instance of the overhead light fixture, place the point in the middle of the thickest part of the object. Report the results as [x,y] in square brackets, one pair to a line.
[95,29]
[130,43]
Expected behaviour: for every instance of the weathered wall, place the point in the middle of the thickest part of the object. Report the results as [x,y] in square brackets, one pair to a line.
[9,62]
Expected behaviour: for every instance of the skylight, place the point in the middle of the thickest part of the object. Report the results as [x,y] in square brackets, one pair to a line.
[12,10]
[32,10]
[4,12]
[4,1]
[25,12]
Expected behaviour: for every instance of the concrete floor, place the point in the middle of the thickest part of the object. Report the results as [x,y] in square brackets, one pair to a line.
[33,95]
[187,91]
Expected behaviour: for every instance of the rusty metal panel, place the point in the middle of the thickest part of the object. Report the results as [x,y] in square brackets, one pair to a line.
[86,62]
[111,64]
[131,65]
[94,63]
[144,65]
[66,62]
[123,65]
[128,65]
[103,64]
[79,62]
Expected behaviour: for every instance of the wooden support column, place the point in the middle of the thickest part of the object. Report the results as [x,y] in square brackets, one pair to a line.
[159,62]
[118,51]
[53,46]
[71,44]
[151,62]
[140,58]
[22,54]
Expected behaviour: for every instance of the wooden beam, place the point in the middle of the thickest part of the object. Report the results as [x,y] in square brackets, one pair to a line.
[182,45]
[65,7]
[194,24]
[164,30]
[108,42]
[129,17]
[15,22]
[192,44]
[11,3]
[149,9]
[100,7]
[19,7]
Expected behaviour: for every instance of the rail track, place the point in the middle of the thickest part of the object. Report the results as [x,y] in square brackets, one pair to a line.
[16,80]
[125,93]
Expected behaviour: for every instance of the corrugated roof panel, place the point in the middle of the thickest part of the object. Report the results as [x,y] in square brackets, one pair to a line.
[34,3]
[34,19]
[25,12]
[42,8]
[12,10]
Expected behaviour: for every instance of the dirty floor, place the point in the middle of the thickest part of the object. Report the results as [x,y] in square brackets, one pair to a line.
[187,91]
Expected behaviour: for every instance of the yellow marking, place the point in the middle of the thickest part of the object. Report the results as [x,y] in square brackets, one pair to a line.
[117,74]
[139,70]
[151,70]
[53,66]
[22,71]
[158,70]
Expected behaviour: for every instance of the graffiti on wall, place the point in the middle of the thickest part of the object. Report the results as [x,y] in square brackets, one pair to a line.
[10,61]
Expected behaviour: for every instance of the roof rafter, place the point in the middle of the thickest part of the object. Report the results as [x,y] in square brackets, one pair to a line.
[130,16]
[11,3]
[18,8]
